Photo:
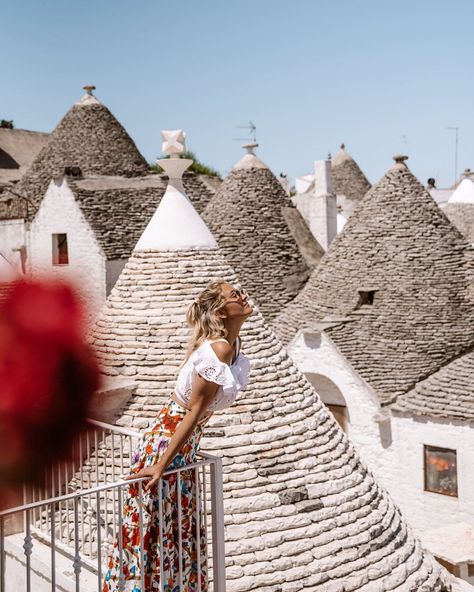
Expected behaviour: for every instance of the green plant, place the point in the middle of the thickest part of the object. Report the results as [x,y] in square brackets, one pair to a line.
[7,123]
[197,167]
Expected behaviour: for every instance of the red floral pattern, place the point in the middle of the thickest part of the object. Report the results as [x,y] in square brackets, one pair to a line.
[151,447]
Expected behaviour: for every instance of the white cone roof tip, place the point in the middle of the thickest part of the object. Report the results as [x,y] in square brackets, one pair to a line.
[464,192]
[341,156]
[176,225]
[250,160]
[88,98]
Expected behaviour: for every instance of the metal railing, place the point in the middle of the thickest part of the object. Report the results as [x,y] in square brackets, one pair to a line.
[77,515]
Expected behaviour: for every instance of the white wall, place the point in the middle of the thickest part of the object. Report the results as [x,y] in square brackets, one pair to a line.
[320,214]
[60,213]
[430,510]
[12,238]
[393,448]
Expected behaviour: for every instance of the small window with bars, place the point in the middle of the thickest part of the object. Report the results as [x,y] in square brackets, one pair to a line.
[60,249]
[441,470]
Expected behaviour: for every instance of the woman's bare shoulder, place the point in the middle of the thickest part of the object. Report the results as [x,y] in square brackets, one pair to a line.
[223,350]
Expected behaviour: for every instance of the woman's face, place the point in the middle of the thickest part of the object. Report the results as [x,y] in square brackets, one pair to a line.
[236,302]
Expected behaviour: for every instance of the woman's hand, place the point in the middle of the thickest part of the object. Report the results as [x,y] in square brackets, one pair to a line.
[153,473]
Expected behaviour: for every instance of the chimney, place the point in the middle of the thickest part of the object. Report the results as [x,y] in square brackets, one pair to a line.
[323,215]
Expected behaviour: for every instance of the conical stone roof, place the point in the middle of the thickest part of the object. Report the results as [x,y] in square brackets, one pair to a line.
[257,228]
[347,177]
[301,510]
[448,393]
[399,248]
[88,138]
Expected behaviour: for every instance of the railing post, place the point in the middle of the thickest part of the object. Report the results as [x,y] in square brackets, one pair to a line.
[218,546]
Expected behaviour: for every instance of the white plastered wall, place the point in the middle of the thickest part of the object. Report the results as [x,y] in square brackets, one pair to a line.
[60,213]
[428,510]
[316,354]
[12,239]
[392,446]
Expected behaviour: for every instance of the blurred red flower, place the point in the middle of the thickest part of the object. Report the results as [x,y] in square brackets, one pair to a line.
[48,374]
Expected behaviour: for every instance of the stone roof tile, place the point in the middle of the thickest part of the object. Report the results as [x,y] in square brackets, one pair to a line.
[448,393]
[400,246]
[293,484]
[118,208]
[347,177]
[462,216]
[253,221]
[88,138]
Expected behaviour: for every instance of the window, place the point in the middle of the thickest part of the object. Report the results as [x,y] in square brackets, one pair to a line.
[441,470]
[366,298]
[60,252]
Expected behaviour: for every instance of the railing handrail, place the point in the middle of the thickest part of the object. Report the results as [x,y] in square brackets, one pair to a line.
[113,428]
[98,488]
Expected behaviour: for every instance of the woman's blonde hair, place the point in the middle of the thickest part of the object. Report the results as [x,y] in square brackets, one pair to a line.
[203,318]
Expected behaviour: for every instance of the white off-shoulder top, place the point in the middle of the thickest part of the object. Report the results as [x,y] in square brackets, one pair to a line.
[204,361]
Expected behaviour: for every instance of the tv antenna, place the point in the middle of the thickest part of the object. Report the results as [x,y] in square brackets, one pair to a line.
[252,133]
[456,142]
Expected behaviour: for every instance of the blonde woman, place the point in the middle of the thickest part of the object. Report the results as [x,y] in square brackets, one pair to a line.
[214,371]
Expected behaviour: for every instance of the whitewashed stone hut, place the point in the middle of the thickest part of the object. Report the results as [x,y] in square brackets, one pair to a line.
[301,510]
[435,421]
[86,199]
[262,234]
[389,305]
[460,208]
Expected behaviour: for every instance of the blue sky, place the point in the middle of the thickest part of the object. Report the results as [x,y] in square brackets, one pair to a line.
[381,76]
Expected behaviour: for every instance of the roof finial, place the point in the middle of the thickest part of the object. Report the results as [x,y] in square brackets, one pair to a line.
[175,225]
[329,156]
[174,142]
[400,158]
[89,98]
[250,147]
[173,145]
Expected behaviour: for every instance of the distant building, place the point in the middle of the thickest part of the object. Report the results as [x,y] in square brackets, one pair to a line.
[83,203]
[391,304]
[327,197]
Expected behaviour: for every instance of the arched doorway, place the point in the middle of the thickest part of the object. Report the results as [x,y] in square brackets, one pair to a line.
[331,396]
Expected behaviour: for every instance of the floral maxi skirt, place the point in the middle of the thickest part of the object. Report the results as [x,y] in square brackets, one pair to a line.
[178,506]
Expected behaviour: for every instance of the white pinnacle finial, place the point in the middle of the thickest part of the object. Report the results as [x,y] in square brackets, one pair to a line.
[175,225]
[173,142]
[250,147]
[88,98]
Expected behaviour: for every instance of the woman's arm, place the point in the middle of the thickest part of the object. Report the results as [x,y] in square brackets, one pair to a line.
[201,397]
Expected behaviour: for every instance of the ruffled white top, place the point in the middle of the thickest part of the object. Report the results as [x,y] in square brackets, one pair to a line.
[204,361]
